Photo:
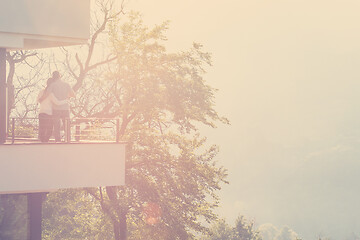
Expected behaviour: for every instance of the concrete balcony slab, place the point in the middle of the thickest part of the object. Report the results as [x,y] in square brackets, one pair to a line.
[26,168]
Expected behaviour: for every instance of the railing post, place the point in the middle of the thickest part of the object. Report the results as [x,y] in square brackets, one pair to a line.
[64,121]
[77,133]
[117,130]
[67,130]
[12,130]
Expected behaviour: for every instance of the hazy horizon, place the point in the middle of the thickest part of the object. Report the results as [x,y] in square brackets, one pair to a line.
[288,81]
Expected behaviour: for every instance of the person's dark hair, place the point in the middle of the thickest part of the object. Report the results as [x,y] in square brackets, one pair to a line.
[56,75]
[48,83]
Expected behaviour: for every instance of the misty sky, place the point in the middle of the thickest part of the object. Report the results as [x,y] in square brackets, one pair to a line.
[288,78]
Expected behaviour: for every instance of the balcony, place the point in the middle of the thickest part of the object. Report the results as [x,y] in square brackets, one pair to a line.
[90,155]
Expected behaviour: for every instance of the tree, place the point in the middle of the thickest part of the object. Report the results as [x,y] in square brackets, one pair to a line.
[73,214]
[14,59]
[243,230]
[160,98]
[220,230]
[13,224]
[287,234]
[270,232]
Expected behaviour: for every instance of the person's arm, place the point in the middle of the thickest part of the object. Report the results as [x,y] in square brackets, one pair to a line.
[71,93]
[46,93]
[55,100]
[42,95]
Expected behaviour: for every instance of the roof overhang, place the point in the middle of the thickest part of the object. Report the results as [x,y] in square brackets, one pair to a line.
[34,24]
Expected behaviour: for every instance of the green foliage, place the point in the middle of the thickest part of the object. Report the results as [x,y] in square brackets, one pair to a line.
[73,214]
[13,217]
[220,231]
[161,99]
[160,86]
[243,230]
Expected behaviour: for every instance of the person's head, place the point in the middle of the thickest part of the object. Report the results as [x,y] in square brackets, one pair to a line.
[56,75]
[49,82]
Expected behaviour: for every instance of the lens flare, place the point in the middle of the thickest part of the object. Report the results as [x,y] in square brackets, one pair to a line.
[152,213]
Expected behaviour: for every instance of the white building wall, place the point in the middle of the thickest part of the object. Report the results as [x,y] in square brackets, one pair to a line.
[46,167]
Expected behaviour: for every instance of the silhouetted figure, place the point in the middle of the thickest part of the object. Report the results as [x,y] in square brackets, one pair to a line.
[47,100]
[61,91]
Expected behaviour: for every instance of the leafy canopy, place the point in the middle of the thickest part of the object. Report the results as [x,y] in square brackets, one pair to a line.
[161,99]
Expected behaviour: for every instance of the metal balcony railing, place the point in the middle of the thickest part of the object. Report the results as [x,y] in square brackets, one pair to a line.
[72,130]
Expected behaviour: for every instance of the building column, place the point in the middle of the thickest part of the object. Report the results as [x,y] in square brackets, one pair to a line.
[35,201]
[3,96]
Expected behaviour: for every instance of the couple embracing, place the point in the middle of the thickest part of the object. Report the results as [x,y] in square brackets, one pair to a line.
[54,106]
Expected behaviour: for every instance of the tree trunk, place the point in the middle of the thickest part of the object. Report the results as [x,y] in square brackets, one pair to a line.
[117,234]
[120,227]
[119,224]
[123,226]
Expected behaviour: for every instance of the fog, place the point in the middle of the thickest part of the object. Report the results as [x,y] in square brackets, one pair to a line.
[288,78]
